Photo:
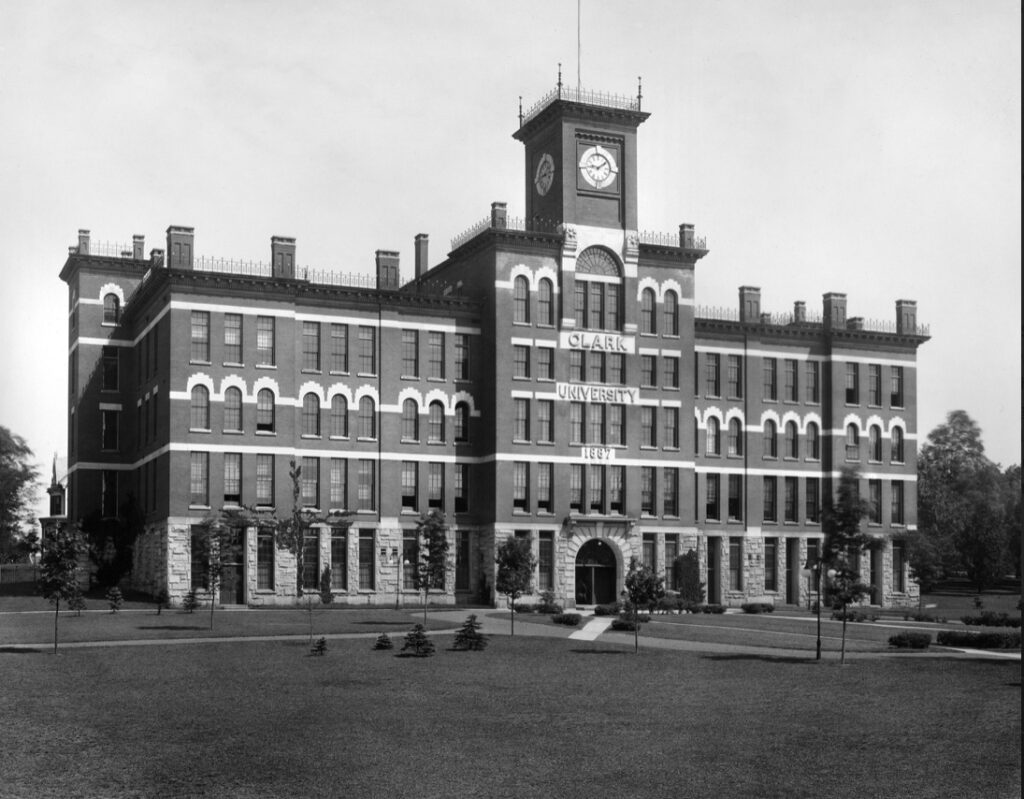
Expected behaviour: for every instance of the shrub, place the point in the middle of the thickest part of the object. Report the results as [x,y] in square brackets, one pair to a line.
[712,609]
[190,602]
[686,570]
[163,600]
[641,618]
[985,640]
[854,615]
[469,637]
[326,597]
[990,618]
[609,609]
[669,603]
[114,599]
[548,604]
[319,647]
[76,602]
[908,640]
[623,625]
[757,607]
[383,642]
[568,619]
[418,642]
[525,607]
[923,617]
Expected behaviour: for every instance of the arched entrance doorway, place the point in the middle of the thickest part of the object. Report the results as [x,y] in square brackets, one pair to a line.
[595,573]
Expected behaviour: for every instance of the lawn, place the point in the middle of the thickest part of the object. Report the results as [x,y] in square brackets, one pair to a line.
[529,717]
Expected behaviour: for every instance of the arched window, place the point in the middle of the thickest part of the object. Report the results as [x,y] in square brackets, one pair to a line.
[436,422]
[771,439]
[792,442]
[521,299]
[232,409]
[714,445]
[897,445]
[670,310]
[339,417]
[813,441]
[367,418]
[111,309]
[200,408]
[410,421]
[265,411]
[462,422]
[874,443]
[311,415]
[735,437]
[545,304]
[852,443]
[647,324]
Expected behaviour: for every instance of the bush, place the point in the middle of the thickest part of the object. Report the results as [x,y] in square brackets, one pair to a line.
[757,607]
[623,625]
[190,602]
[469,637]
[609,609]
[711,609]
[854,615]
[686,570]
[910,640]
[319,647]
[525,607]
[669,604]
[383,642]
[923,617]
[163,600]
[418,642]
[568,619]
[548,604]
[990,618]
[76,602]
[326,597]
[115,599]
[985,640]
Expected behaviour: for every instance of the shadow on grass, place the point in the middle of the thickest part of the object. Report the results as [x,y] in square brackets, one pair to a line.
[600,652]
[170,627]
[764,658]
[17,650]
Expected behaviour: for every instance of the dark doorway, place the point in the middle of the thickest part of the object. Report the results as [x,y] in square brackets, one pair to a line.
[232,584]
[714,574]
[595,573]
[877,570]
[793,567]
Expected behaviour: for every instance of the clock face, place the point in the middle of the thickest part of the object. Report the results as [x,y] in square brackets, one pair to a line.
[597,166]
[545,174]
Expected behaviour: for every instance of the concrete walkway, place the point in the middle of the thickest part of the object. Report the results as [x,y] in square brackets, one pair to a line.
[592,629]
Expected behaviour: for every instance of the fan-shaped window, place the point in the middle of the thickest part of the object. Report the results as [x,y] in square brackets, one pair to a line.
[339,417]
[735,437]
[714,445]
[521,300]
[792,442]
[232,409]
[436,423]
[311,415]
[410,421]
[813,441]
[670,310]
[597,261]
[111,309]
[647,304]
[265,411]
[875,443]
[545,303]
[771,439]
[367,418]
[200,418]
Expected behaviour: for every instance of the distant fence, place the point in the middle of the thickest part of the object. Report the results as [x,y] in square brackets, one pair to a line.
[18,578]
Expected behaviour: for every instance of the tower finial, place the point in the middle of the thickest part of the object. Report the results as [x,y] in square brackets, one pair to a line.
[53,478]
[639,91]
[559,80]
[520,110]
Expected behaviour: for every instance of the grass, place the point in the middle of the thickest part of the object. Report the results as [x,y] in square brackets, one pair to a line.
[528,717]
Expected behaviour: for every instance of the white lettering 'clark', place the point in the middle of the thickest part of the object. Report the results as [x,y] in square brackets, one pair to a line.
[584,393]
[603,342]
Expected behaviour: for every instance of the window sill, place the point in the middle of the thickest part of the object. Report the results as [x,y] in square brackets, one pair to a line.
[335,372]
[266,433]
[366,374]
[310,437]
[364,438]
[234,364]
[311,371]
[200,363]
[233,432]
[410,377]
[198,507]
[266,366]
[200,430]
[338,438]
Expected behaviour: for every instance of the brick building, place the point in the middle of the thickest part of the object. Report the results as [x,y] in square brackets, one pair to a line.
[552,378]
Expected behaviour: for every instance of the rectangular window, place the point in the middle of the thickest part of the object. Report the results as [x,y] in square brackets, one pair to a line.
[580,305]
[200,337]
[712,374]
[595,489]
[520,361]
[617,489]
[521,420]
[735,508]
[790,507]
[595,311]
[595,367]
[199,579]
[813,373]
[897,502]
[713,497]
[108,492]
[545,481]
[462,559]
[264,479]
[812,499]
[545,363]
[232,478]
[435,485]
[339,348]
[339,483]
[264,559]
[647,557]
[735,563]
[545,421]
[576,366]
[792,390]
[546,561]
[595,423]
[367,488]
[647,490]
[670,492]
[461,356]
[435,355]
[576,487]
[309,482]
[648,432]
[852,384]
[461,488]
[615,368]
[670,421]
[410,490]
[647,370]
[110,421]
[735,376]
[670,367]
[410,353]
[233,338]
[616,425]
[771,564]
[110,369]
[771,386]
[896,386]
[771,509]
[265,335]
[875,501]
[671,553]
[311,560]
[899,559]
[366,564]
[874,384]
[199,482]
[611,306]
[520,486]
[576,423]
[339,559]
[367,350]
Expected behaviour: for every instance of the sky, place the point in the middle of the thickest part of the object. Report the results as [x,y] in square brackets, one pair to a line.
[872,148]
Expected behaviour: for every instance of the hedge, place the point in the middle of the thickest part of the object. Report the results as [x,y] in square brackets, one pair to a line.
[985,640]
[568,619]
[990,618]
[757,607]
[911,640]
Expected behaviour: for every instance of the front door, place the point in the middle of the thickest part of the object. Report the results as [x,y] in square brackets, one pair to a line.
[595,573]
[793,571]
[232,585]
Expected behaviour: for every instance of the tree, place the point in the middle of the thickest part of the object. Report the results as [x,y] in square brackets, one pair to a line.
[845,543]
[961,507]
[686,569]
[58,568]
[17,489]
[221,545]
[469,637]
[1013,517]
[643,587]
[432,555]
[515,571]
[111,541]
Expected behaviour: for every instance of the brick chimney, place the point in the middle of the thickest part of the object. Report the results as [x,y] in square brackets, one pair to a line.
[906,317]
[282,256]
[686,236]
[138,247]
[179,247]
[750,304]
[387,269]
[156,258]
[83,242]
[499,215]
[422,264]
[799,311]
[835,310]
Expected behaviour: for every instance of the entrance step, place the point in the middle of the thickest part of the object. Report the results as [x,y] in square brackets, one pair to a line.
[593,628]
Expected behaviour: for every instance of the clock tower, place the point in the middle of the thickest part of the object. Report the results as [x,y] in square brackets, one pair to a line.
[581,158]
